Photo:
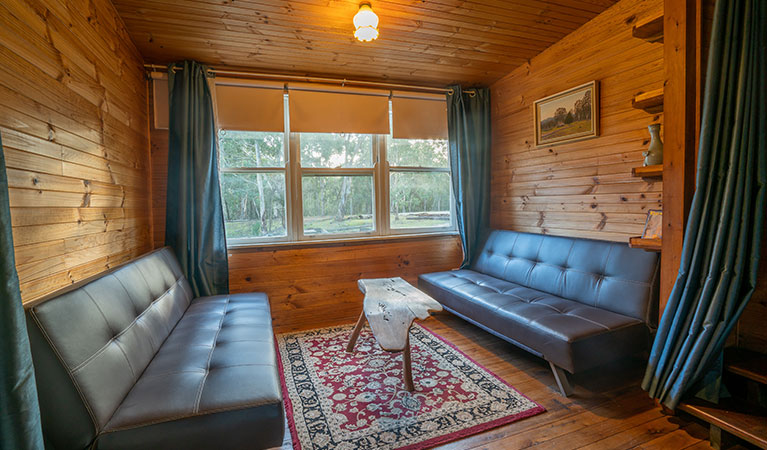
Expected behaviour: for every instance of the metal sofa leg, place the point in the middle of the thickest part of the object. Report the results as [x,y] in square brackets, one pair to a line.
[561,376]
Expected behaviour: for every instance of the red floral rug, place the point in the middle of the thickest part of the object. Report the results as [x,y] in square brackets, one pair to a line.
[336,400]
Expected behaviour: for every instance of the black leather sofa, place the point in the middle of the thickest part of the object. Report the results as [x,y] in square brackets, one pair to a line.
[577,303]
[131,361]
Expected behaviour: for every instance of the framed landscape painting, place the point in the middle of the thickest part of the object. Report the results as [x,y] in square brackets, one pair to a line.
[568,116]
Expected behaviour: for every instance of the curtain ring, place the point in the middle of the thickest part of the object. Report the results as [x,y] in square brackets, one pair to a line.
[450,92]
[472,93]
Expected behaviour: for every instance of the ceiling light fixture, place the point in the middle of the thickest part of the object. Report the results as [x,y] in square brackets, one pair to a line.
[365,23]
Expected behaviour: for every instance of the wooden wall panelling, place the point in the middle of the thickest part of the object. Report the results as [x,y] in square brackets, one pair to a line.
[582,189]
[317,285]
[751,332]
[74,127]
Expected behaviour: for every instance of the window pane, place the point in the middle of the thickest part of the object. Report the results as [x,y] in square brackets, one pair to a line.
[419,200]
[338,204]
[336,150]
[418,152]
[254,204]
[251,149]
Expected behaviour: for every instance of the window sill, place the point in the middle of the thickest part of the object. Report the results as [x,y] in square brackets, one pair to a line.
[279,245]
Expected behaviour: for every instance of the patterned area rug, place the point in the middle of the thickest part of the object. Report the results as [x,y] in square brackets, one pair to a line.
[336,400]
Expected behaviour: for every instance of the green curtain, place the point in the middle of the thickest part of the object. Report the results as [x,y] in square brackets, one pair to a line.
[194,220]
[468,129]
[19,412]
[720,255]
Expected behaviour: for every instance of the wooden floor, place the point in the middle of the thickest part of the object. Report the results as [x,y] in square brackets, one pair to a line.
[607,411]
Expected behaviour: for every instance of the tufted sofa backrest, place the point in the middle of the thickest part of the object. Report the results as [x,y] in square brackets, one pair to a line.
[607,275]
[91,344]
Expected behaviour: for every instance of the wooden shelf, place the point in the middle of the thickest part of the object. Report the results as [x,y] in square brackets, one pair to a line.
[655,171]
[650,245]
[649,29]
[732,417]
[746,363]
[650,101]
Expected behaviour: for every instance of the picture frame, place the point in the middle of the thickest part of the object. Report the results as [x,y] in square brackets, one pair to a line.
[567,116]
[653,228]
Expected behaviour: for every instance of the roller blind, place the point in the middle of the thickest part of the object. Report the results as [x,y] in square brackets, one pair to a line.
[250,105]
[418,116]
[160,100]
[338,110]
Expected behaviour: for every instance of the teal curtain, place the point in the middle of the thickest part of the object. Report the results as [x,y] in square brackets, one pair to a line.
[194,221]
[19,412]
[720,255]
[468,129]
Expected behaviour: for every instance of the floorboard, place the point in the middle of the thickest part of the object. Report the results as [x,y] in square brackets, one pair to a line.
[607,410]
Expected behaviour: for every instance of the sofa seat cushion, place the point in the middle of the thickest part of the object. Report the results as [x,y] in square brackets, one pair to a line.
[219,360]
[570,334]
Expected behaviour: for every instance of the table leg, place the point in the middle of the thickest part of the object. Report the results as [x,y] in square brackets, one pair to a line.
[355,333]
[407,373]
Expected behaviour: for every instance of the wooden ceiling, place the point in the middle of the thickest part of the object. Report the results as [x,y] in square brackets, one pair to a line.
[428,42]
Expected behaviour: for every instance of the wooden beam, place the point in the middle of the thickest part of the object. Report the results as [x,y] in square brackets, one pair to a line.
[680,111]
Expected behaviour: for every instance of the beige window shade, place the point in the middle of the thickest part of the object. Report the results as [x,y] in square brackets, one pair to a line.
[160,100]
[249,107]
[349,111]
[419,116]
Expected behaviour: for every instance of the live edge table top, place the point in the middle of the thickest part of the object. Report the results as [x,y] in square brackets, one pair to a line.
[390,306]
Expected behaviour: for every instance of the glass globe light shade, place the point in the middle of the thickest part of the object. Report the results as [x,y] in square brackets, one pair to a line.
[365,23]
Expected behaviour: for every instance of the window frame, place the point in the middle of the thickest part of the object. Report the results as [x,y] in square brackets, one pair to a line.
[288,206]
[298,195]
[389,169]
[380,171]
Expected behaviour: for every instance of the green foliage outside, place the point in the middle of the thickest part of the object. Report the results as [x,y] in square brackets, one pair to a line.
[254,203]
[250,149]
[334,150]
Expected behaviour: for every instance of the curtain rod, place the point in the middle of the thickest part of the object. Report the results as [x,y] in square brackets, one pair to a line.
[342,81]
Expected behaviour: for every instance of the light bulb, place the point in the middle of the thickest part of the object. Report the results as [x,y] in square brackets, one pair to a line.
[365,23]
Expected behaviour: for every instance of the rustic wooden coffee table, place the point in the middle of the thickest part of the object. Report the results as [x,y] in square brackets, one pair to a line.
[390,306]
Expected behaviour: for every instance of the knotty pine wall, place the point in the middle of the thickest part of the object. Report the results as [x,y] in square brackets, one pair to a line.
[73,120]
[317,285]
[312,285]
[581,189]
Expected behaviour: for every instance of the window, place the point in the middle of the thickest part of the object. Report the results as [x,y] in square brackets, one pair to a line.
[419,184]
[253,187]
[337,183]
[292,186]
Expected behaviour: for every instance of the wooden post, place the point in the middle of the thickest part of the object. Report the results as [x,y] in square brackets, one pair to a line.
[355,333]
[680,111]
[407,371]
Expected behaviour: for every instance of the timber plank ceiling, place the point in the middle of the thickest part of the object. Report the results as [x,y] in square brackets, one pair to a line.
[429,42]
